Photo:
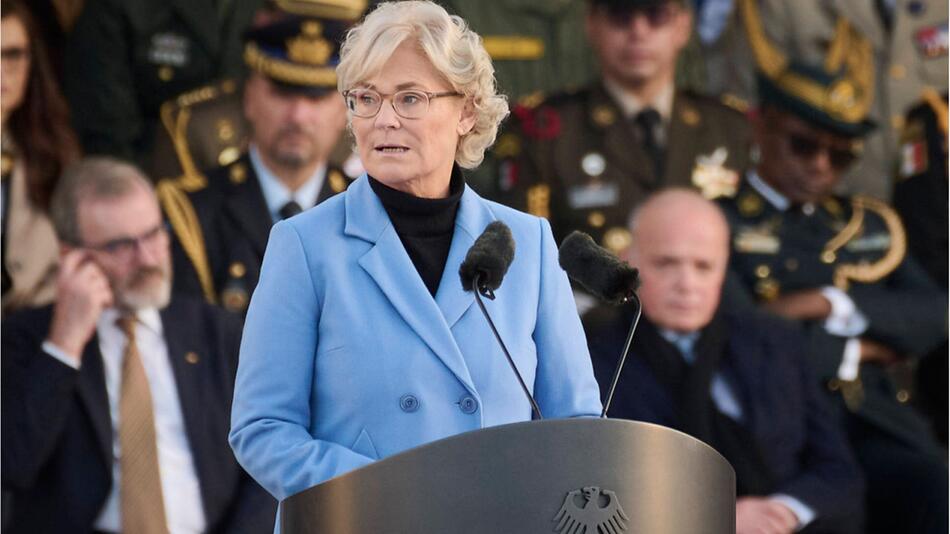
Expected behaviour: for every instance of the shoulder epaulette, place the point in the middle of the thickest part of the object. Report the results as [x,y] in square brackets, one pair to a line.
[869,272]
[184,222]
[176,114]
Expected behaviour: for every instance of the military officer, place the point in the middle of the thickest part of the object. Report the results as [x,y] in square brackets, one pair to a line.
[583,159]
[222,218]
[206,127]
[909,47]
[838,266]
[125,57]
[920,196]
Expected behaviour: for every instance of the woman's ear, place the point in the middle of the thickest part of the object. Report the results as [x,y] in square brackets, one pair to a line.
[467,120]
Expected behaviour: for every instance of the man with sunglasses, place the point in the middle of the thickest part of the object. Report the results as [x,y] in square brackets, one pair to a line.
[585,158]
[116,399]
[222,219]
[838,266]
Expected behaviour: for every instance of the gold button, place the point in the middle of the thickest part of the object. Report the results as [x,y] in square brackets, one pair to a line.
[617,239]
[903,396]
[897,122]
[237,270]
[898,71]
[791,264]
[762,271]
[192,357]
[166,73]
[238,174]
[596,219]
[225,130]
[828,257]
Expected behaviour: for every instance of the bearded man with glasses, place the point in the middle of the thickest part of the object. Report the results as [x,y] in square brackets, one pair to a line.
[839,267]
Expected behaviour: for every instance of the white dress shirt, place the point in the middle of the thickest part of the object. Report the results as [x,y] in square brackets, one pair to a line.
[180,487]
[276,194]
[845,320]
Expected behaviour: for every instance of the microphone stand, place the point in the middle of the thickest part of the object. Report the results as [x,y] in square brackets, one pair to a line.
[490,295]
[623,356]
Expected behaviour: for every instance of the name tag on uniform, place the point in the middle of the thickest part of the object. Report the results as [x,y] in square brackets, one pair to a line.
[755,241]
[169,49]
[593,195]
[869,243]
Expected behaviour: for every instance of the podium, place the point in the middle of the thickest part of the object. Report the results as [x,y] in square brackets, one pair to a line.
[567,476]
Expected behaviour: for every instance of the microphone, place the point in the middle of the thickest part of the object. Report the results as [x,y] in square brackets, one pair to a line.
[607,278]
[482,271]
[597,270]
[487,261]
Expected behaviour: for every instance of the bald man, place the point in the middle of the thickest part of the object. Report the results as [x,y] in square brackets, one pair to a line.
[737,382]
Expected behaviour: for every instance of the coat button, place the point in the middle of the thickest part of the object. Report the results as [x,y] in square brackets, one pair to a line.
[408,403]
[468,405]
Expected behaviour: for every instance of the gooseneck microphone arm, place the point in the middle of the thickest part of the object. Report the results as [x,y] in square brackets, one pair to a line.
[623,355]
[490,295]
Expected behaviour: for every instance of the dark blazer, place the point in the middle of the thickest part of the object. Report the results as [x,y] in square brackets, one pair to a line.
[793,427]
[234,224]
[57,434]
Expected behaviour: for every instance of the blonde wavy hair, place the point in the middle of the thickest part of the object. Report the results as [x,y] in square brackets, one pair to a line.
[452,48]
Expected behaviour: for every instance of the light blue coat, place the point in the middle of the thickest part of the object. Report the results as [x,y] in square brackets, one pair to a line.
[347,358]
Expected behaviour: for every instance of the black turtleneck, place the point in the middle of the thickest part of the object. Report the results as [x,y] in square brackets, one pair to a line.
[424,225]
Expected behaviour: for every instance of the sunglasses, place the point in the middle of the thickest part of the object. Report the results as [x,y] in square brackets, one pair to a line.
[657,15]
[807,148]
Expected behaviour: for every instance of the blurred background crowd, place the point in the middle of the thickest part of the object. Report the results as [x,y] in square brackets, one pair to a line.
[805,142]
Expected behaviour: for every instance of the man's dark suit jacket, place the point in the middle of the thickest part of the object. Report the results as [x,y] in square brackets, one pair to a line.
[57,432]
[797,435]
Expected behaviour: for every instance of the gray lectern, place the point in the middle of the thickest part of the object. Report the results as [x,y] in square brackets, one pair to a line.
[568,476]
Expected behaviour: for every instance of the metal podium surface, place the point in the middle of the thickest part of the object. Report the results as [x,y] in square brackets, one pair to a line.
[567,476]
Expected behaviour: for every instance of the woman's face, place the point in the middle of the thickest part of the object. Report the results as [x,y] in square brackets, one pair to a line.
[14,63]
[412,155]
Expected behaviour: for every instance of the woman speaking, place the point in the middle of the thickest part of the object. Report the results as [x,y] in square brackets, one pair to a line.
[360,341]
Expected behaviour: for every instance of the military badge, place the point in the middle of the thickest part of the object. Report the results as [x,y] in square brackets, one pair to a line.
[593,164]
[932,41]
[592,510]
[617,239]
[539,200]
[690,116]
[712,177]
[756,241]
[876,242]
[913,151]
[169,49]
[309,46]
[508,145]
[542,123]
[593,195]
[337,182]
[229,155]
[603,116]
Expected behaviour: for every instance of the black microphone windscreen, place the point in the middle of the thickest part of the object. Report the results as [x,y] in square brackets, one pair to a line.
[489,257]
[596,269]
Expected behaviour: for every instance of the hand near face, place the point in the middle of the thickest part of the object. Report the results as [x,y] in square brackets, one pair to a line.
[808,305]
[82,292]
[757,515]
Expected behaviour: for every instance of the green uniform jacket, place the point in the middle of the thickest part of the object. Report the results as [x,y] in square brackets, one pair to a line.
[126,57]
[575,160]
[858,245]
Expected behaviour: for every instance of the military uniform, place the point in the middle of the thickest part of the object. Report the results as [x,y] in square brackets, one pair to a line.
[221,225]
[126,57]
[576,160]
[910,55]
[534,45]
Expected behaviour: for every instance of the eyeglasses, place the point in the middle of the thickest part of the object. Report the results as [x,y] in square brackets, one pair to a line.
[657,15]
[124,248]
[807,148]
[411,104]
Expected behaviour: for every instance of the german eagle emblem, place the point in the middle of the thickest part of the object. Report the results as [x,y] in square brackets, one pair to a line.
[591,510]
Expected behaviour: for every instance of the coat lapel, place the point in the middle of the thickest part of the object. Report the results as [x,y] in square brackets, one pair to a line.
[682,142]
[92,391]
[248,210]
[388,264]
[202,18]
